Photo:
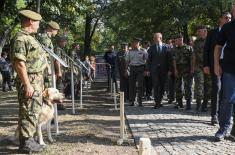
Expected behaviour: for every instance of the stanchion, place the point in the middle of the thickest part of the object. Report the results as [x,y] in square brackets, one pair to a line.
[114,96]
[123,136]
[72,89]
[55,105]
[80,87]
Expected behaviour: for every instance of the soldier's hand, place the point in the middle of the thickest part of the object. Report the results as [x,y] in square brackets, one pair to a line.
[218,70]
[29,90]
[148,73]
[206,70]
[59,75]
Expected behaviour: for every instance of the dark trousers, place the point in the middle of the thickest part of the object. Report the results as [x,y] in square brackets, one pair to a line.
[112,75]
[136,76]
[159,81]
[215,94]
[124,86]
[148,86]
[6,79]
[171,87]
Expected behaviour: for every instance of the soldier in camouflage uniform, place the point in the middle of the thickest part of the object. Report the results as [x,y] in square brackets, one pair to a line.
[197,65]
[45,39]
[59,70]
[29,61]
[182,56]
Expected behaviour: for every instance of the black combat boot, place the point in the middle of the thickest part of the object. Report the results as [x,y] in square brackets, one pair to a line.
[198,102]
[179,104]
[132,103]
[140,102]
[204,106]
[188,105]
[29,146]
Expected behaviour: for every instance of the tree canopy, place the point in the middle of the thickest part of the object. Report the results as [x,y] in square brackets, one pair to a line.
[97,23]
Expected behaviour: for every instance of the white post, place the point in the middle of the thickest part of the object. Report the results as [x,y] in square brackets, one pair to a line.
[81,87]
[122,118]
[72,89]
[54,86]
[145,146]
[114,96]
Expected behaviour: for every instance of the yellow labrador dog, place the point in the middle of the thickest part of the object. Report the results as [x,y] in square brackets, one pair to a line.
[50,96]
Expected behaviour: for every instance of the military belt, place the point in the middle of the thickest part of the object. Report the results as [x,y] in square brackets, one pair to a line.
[138,66]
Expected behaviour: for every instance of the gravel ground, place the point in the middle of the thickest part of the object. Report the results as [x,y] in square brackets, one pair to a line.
[93,130]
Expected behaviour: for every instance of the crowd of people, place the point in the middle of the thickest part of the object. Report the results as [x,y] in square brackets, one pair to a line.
[147,70]
[171,68]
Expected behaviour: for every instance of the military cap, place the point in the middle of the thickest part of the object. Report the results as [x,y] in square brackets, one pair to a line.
[62,38]
[137,39]
[54,25]
[30,14]
[124,44]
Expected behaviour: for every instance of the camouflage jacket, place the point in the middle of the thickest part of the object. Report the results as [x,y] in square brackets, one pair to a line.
[198,52]
[182,55]
[25,47]
[46,41]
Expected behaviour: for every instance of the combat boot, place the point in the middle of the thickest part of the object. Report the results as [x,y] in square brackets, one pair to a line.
[30,146]
[140,102]
[204,106]
[198,102]
[179,104]
[188,105]
[132,103]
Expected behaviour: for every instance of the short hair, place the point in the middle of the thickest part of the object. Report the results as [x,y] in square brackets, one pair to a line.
[224,13]
[201,27]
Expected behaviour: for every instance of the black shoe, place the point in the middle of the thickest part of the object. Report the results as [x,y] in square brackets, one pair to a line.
[157,106]
[179,106]
[214,120]
[140,105]
[198,102]
[188,108]
[60,107]
[30,146]
[204,109]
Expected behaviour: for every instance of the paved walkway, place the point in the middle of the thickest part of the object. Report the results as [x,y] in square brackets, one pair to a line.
[173,131]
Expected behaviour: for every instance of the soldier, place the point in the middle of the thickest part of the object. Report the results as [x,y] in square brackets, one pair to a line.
[197,66]
[121,67]
[29,61]
[75,52]
[136,59]
[45,39]
[182,56]
[147,78]
[59,70]
[110,58]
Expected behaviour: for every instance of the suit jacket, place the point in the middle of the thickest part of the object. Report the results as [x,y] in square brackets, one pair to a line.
[208,54]
[159,61]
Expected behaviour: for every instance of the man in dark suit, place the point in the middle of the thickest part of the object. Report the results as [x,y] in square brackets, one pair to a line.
[209,65]
[158,65]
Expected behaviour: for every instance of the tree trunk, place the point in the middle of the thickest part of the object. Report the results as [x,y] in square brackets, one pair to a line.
[185,31]
[38,6]
[87,41]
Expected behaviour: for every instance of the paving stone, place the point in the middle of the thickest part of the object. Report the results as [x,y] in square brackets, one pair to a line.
[174,131]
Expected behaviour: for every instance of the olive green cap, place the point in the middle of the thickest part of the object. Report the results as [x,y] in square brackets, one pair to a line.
[30,14]
[54,25]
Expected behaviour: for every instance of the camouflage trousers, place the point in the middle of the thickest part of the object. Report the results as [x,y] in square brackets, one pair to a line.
[29,108]
[207,87]
[47,80]
[199,84]
[185,77]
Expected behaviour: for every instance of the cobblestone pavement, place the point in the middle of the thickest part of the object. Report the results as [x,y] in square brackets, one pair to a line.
[174,131]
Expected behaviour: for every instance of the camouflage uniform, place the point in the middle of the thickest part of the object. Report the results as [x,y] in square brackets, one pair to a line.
[26,48]
[59,84]
[198,75]
[182,56]
[46,41]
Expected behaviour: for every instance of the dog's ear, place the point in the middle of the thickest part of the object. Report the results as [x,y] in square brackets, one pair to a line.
[45,93]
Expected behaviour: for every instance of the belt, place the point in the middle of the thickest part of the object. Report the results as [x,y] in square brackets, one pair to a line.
[138,66]
[37,73]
